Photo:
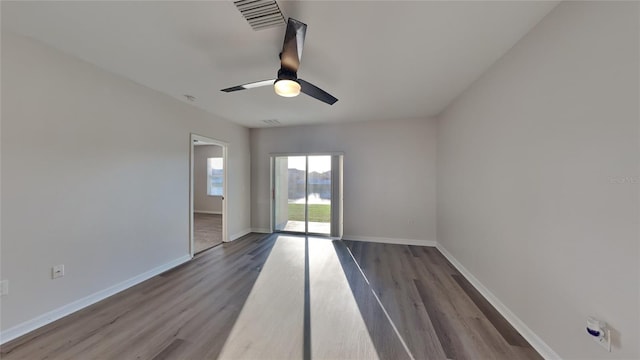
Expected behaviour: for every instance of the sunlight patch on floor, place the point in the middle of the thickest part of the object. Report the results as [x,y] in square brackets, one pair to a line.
[271,323]
[338,330]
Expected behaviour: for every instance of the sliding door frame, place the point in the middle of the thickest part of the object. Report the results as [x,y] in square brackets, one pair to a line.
[272,196]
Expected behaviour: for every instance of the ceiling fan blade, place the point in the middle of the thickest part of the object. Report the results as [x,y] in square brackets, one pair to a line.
[316,92]
[293,44]
[250,85]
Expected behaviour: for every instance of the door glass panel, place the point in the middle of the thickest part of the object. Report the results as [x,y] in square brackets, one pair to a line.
[319,194]
[302,194]
[290,200]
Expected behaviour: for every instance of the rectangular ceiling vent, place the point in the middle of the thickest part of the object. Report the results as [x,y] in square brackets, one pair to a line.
[261,14]
[272,122]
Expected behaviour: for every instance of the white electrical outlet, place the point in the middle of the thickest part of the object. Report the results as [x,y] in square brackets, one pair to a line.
[4,287]
[599,332]
[57,271]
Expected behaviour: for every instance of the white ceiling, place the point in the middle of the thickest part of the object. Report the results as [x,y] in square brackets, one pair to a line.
[382,59]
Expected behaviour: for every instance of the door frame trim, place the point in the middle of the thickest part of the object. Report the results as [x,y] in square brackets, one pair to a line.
[332,153]
[225,200]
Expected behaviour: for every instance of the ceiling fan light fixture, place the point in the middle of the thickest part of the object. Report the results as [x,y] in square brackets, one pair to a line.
[287,88]
[287,84]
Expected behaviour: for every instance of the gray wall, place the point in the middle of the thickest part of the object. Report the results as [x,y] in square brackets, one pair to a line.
[202,202]
[95,175]
[389,174]
[538,178]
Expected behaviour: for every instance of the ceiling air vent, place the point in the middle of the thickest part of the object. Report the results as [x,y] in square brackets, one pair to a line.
[272,122]
[261,14]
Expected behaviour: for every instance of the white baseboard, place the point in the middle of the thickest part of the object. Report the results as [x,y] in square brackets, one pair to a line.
[208,212]
[261,230]
[390,240]
[239,234]
[541,347]
[51,316]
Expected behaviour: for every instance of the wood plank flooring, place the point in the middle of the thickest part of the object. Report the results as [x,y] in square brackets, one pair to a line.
[271,324]
[207,231]
[288,297]
[436,310]
[186,312]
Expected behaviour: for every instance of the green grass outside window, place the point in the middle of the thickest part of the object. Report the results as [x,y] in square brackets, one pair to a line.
[317,212]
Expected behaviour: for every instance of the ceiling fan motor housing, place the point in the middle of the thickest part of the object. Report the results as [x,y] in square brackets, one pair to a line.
[284,74]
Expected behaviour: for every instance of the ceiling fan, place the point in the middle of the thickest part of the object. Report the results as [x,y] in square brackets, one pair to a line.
[288,84]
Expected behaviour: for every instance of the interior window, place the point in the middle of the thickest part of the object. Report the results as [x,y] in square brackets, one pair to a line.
[214,176]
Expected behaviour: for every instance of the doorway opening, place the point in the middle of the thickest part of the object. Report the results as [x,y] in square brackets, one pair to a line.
[307,194]
[208,223]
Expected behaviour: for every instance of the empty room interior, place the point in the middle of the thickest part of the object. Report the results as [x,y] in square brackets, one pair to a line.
[208,179]
[269,179]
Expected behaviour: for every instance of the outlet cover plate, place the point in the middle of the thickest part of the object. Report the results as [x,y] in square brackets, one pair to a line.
[57,271]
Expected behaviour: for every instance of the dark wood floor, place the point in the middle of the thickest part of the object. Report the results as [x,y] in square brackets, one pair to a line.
[410,302]
[186,312]
[207,231]
[426,296]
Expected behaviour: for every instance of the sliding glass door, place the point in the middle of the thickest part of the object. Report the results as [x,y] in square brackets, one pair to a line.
[302,194]
[290,193]
[319,194]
